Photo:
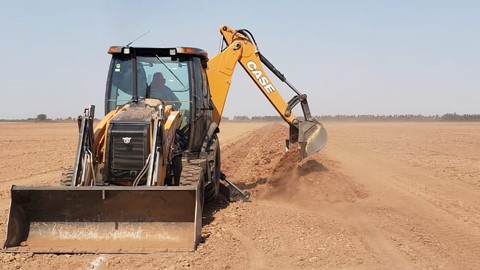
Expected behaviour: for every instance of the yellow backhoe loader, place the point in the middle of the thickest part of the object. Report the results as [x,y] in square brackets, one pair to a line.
[142,174]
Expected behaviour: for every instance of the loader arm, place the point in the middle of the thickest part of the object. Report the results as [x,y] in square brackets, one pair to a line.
[241,48]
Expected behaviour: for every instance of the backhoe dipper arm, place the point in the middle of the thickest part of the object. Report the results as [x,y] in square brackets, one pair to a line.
[241,48]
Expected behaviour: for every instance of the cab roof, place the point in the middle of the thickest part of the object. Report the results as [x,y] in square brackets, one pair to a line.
[142,51]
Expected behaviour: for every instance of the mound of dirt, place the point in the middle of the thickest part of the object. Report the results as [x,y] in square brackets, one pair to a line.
[261,166]
[286,168]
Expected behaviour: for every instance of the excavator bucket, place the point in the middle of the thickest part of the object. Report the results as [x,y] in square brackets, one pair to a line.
[104,219]
[312,137]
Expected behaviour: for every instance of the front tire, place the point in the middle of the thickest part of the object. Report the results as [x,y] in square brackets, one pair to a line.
[193,175]
[66,177]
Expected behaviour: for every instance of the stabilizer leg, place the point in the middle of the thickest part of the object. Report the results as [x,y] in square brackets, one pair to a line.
[231,191]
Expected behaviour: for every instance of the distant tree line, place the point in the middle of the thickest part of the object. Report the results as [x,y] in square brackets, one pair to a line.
[368,117]
[338,117]
[460,117]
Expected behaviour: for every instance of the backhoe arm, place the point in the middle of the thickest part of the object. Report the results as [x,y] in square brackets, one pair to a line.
[241,48]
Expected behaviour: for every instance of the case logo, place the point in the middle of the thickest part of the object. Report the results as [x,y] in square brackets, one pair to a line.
[260,77]
[126,140]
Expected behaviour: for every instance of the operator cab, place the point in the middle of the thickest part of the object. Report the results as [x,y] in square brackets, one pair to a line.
[179,72]
[177,66]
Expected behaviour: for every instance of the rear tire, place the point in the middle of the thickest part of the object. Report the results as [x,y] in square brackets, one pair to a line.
[212,188]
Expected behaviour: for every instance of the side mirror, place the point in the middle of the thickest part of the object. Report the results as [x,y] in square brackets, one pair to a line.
[204,63]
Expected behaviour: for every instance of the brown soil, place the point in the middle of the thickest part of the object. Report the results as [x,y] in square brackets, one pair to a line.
[380,196]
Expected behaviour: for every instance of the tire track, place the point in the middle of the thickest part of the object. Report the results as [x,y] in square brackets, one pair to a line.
[396,185]
[255,255]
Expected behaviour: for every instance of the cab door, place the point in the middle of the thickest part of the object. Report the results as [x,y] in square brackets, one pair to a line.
[201,106]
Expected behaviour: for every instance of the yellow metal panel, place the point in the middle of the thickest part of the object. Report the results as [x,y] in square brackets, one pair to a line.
[170,126]
[100,135]
[219,73]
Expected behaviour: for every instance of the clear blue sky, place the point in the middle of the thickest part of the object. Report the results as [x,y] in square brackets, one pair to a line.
[350,57]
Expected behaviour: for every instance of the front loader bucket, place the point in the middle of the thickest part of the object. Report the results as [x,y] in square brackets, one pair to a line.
[312,137]
[104,219]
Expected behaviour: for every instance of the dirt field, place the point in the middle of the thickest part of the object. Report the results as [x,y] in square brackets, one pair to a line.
[380,196]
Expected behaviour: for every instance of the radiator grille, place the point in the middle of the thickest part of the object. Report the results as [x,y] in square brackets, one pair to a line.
[128,156]
[128,150]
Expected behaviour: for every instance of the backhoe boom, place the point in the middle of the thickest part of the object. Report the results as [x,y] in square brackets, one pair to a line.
[241,48]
